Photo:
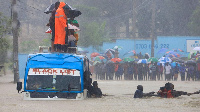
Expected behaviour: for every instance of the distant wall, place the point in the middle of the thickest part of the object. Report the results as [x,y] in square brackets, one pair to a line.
[144,46]
[22,64]
[184,43]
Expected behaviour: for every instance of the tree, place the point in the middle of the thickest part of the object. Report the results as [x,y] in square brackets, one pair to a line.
[144,23]
[4,46]
[93,31]
[174,16]
[194,24]
[5,28]
[115,13]
[5,25]
[28,46]
[93,34]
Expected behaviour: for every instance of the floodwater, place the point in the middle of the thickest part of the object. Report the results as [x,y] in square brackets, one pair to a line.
[119,99]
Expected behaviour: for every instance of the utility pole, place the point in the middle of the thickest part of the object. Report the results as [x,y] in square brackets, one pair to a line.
[153,17]
[135,3]
[15,27]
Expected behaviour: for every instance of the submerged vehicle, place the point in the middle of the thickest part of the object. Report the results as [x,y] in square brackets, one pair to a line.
[56,76]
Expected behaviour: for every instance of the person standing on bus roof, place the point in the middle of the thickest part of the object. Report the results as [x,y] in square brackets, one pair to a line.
[60,26]
[51,24]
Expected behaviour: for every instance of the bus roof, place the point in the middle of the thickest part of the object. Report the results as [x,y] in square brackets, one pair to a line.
[59,60]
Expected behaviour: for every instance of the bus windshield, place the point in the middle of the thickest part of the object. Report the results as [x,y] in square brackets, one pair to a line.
[53,79]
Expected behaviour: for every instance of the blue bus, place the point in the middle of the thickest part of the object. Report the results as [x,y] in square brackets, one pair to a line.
[56,76]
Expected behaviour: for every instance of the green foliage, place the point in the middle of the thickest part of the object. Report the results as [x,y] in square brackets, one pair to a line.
[172,17]
[144,23]
[29,46]
[114,12]
[5,27]
[88,11]
[4,46]
[46,42]
[93,34]
[110,8]
[32,46]
[194,24]
[178,15]
[93,31]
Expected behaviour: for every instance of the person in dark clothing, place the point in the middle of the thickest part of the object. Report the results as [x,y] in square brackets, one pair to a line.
[149,72]
[198,71]
[89,88]
[140,70]
[126,71]
[110,70]
[107,70]
[139,92]
[190,72]
[160,71]
[145,71]
[119,72]
[140,56]
[154,71]
[135,71]
[130,71]
[93,90]
[102,71]
[97,70]
[51,24]
[192,56]
[96,92]
[182,70]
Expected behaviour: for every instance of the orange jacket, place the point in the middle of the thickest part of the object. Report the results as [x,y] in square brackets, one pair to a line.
[60,24]
[169,94]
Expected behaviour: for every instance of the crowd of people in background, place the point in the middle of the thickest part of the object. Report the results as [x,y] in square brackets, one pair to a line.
[139,71]
[153,71]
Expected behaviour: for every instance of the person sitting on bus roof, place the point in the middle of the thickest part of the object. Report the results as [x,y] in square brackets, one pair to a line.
[71,38]
[75,23]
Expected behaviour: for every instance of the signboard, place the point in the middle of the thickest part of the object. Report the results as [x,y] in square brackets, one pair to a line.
[191,44]
[53,71]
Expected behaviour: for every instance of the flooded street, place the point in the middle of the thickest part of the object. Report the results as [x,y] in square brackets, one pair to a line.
[55,45]
[119,98]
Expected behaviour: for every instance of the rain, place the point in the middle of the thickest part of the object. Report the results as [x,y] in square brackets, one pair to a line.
[139,55]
